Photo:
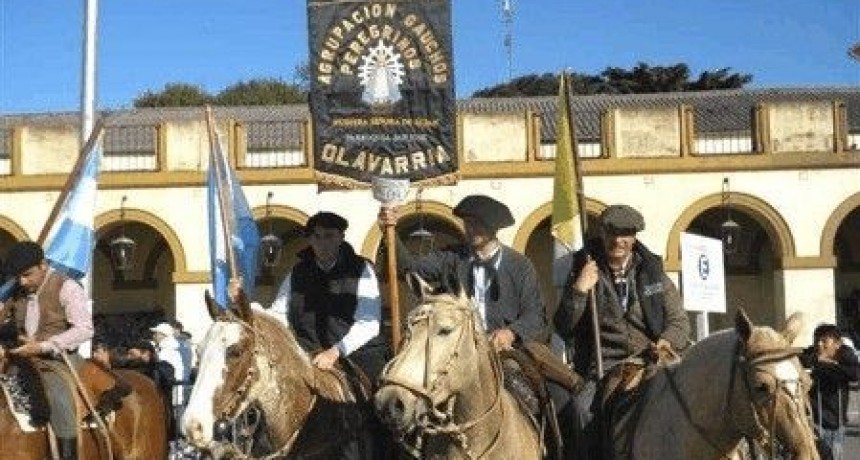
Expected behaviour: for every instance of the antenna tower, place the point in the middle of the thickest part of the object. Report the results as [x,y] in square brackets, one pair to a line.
[508,24]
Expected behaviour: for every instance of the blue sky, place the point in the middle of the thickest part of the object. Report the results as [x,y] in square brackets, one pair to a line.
[144,44]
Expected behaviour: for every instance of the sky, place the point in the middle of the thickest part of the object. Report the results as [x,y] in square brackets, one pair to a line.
[145,44]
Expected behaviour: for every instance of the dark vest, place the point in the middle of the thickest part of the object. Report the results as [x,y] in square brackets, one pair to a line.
[52,315]
[323,304]
[652,299]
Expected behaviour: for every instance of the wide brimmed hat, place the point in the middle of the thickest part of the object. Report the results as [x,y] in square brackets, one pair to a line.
[493,214]
[622,218]
[22,256]
[325,219]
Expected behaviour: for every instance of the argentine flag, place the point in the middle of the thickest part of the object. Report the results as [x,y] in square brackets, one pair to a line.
[70,243]
[227,201]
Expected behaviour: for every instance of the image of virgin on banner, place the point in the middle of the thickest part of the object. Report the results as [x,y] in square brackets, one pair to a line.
[382,90]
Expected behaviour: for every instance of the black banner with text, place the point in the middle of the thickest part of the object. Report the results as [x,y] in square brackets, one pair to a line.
[382,90]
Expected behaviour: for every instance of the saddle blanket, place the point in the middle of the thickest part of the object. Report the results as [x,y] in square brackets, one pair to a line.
[19,400]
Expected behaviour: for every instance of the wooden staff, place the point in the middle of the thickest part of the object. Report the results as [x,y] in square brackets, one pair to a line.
[393,291]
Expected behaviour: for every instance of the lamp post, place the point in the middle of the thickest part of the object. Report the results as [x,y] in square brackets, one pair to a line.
[729,229]
[421,235]
[271,245]
[122,248]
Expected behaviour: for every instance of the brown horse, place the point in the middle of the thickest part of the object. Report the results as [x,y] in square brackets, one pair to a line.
[257,394]
[734,384]
[137,430]
[443,394]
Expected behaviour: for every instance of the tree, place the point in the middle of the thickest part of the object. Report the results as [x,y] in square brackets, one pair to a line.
[642,78]
[174,95]
[261,92]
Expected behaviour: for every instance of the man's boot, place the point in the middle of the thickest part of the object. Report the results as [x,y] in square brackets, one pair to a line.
[68,448]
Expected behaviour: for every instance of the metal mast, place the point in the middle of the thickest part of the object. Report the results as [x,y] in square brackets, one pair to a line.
[508,24]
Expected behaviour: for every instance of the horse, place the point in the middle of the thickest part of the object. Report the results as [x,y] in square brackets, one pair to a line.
[257,394]
[736,384]
[137,430]
[443,393]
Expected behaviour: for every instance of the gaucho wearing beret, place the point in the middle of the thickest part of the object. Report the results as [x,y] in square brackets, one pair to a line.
[623,218]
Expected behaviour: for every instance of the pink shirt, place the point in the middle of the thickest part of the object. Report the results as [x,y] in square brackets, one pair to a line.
[76,305]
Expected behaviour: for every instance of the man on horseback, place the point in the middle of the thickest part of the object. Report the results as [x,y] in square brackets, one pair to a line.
[639,308]
[502,282]
[52,315]
[331,299]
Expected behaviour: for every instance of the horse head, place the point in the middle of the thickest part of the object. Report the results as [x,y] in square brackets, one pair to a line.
[221,402]
[776,385]
[441,365]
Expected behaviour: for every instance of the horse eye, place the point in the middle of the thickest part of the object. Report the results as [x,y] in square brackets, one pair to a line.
[762,387]
[445,330]
[233,351]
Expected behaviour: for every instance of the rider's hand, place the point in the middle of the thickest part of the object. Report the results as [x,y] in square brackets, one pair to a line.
[234,288]
[29,348]
[502,339]
[326,359]
[660,348]
[587,277]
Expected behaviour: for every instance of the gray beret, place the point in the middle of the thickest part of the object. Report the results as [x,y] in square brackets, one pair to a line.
[325,220]
[21,256]
[493,214]
[622,217]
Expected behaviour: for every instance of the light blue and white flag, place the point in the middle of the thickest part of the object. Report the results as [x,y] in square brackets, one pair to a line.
[70,243]
[229,213]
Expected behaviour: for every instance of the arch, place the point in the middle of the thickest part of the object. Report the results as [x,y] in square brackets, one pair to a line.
[828,234]
[760,211]
[11,227]
[151,220]
[432,208]
[280,212]
[531,222]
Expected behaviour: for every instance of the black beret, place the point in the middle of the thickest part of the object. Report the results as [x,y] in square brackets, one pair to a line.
[493,214]
[21,256]
[325,220]
[622,217]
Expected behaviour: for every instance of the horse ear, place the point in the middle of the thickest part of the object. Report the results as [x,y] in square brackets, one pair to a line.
[243,308]
[743,325]
[211,306]
[419,288]
[792,326]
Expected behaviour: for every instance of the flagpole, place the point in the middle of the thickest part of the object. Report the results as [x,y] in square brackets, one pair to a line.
[216,159]
[83,156]
[583,218]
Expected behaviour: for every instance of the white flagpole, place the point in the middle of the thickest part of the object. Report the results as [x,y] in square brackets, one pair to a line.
[88,103]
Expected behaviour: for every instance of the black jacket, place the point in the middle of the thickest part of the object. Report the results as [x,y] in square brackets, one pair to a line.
[830,382]
[516,302]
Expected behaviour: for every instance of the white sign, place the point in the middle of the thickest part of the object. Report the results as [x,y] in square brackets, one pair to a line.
[703,277]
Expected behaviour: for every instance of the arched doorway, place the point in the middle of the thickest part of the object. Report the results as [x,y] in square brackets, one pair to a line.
[846,246]
[749,269]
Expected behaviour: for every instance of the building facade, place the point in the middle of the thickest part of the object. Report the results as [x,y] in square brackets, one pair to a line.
[782,163]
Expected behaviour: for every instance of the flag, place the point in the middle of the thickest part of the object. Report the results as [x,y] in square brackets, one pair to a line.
[70,243]
[234,240]
[565,228]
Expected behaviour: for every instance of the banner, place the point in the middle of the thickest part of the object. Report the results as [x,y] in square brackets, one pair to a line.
[382,91]
[565,229]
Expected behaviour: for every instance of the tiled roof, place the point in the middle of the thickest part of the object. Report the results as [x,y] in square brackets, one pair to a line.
[715,111]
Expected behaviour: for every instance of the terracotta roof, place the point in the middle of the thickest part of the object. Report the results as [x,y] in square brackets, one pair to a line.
[715,111]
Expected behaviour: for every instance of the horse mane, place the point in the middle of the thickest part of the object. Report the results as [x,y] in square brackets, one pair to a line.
[279,336]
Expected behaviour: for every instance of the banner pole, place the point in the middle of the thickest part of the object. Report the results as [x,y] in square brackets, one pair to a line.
[393,287]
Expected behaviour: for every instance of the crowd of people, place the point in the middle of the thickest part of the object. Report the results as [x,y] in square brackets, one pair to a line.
[331,299]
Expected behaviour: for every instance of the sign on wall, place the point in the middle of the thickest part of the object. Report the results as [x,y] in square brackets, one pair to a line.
[702,274]
[382,90]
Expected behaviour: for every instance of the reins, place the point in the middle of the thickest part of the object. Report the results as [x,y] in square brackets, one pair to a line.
[762,432]
[442,423]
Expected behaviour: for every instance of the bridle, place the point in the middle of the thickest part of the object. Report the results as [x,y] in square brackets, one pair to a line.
[762,405]
[240,417]
[433,420]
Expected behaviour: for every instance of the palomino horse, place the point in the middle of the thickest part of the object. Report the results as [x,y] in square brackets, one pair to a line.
[734,384]
[443,393]
[257,394]
[137,430]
